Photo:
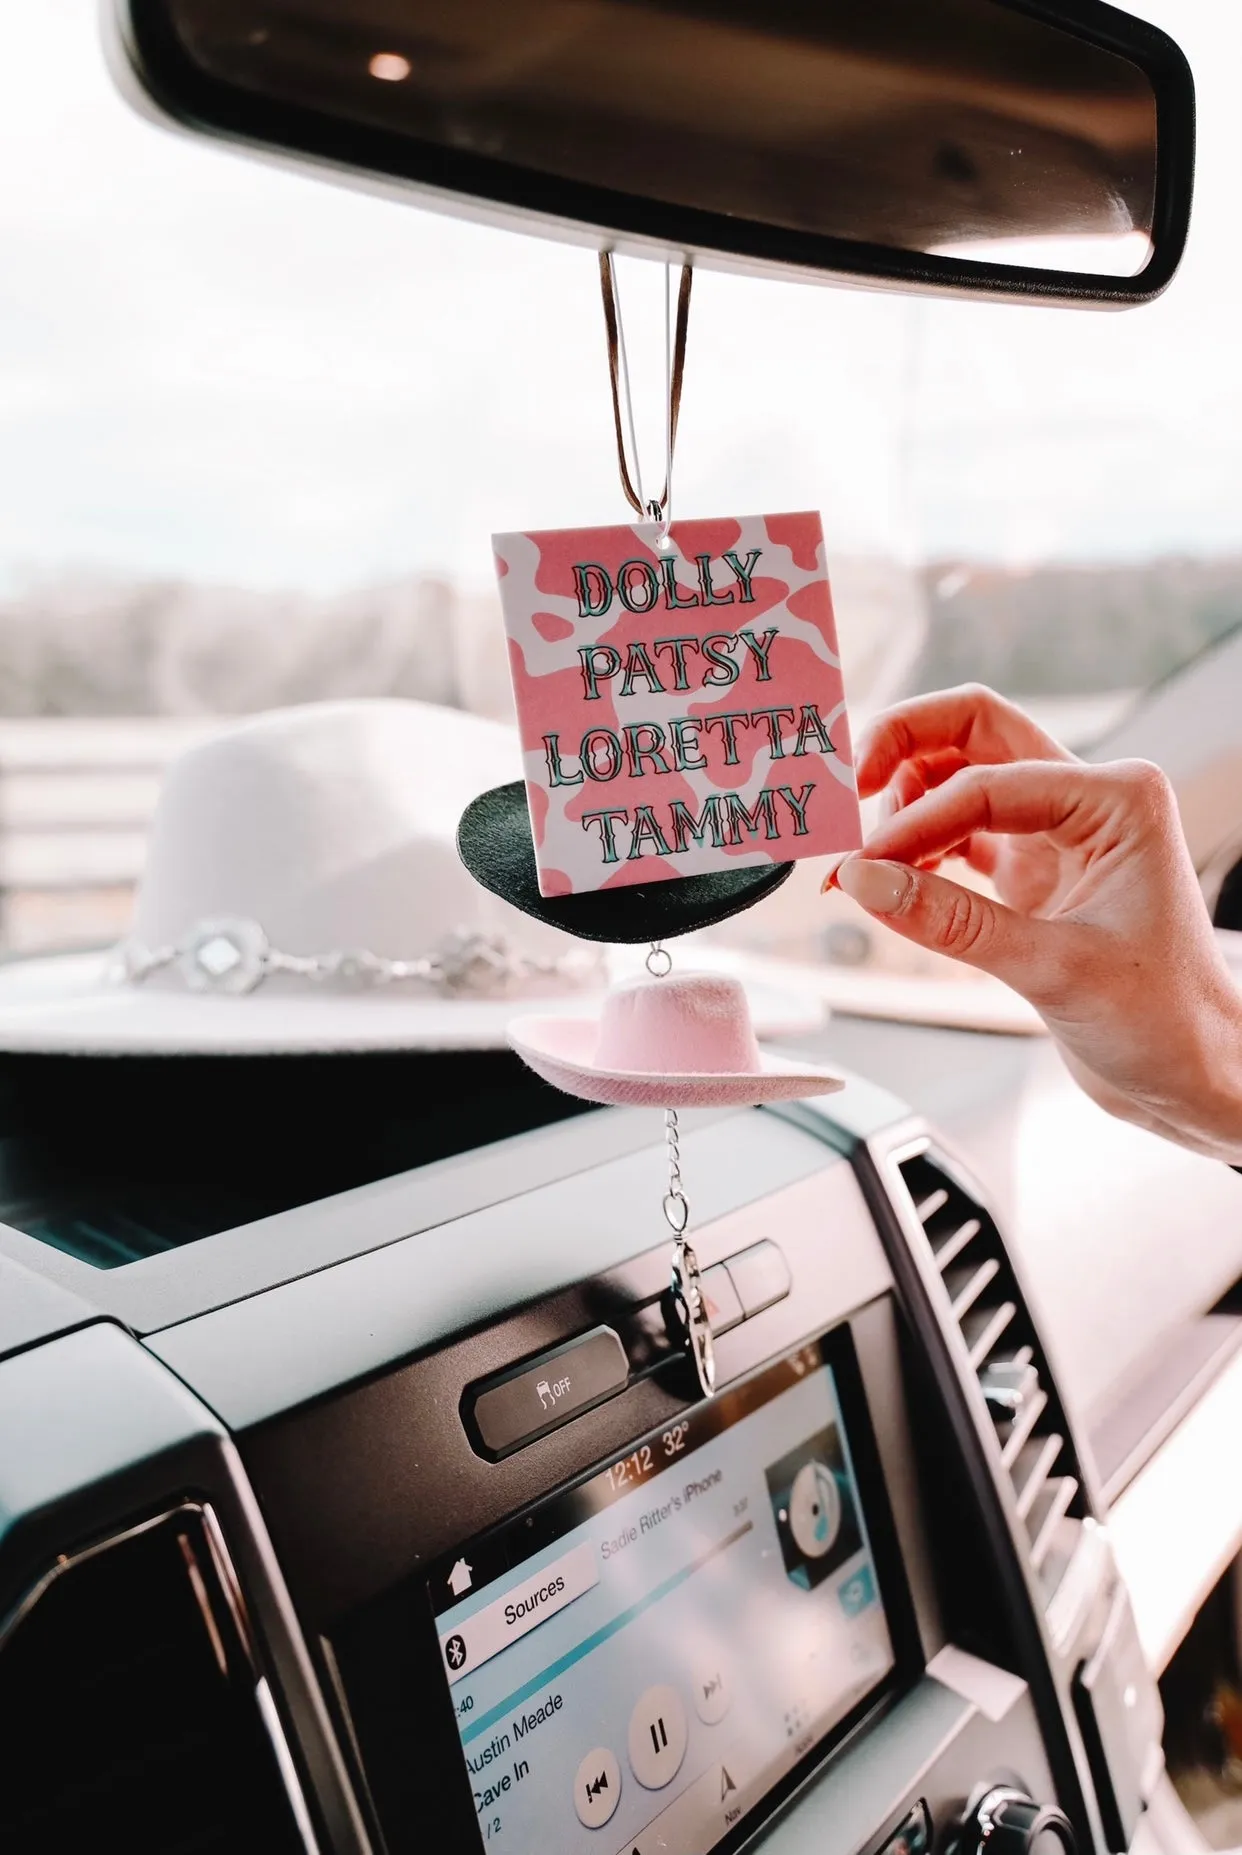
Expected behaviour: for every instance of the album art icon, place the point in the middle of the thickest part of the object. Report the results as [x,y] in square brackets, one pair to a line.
[813,1504]
[679,698]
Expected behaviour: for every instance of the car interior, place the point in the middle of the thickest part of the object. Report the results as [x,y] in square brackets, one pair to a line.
[357,1493]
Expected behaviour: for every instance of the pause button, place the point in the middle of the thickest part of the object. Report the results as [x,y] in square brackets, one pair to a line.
[657,1740]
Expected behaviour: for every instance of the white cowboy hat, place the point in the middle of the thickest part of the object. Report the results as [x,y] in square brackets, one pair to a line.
[303,892]
[682,1042]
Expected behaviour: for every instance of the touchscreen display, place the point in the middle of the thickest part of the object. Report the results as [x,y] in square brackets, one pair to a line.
[634,1665]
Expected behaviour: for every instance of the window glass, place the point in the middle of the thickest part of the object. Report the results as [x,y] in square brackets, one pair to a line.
[256,431]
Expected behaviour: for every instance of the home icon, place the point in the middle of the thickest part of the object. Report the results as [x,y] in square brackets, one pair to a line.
[459,1578]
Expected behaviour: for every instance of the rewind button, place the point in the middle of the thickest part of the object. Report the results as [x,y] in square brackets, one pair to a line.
[597,1787]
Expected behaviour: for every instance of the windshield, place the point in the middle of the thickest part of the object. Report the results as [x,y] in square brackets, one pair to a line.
[259,429]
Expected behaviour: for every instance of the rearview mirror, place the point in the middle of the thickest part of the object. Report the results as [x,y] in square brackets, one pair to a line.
[1035,148]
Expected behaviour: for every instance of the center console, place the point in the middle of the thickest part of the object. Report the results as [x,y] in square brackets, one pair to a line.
[528,1592]
[667,1645]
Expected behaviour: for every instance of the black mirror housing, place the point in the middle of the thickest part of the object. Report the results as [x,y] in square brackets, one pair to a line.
[1036,149]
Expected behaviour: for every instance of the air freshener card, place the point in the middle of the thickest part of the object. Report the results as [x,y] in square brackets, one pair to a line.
[680,706]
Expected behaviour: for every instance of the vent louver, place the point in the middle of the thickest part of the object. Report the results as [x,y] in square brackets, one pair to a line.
[1006,1359]
[130,1712]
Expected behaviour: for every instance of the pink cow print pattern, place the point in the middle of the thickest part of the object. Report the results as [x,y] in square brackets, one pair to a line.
[679,699]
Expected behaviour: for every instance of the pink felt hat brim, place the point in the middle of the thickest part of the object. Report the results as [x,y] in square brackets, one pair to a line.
[562,1051]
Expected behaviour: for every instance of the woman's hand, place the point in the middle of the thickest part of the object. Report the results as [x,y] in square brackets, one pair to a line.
[1100,924]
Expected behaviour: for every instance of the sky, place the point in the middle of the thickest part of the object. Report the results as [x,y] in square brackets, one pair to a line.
[218,368]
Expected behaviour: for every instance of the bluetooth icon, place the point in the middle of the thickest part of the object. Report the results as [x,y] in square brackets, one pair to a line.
[455,1651]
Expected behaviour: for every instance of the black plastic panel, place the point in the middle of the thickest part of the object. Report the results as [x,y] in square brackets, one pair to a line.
[128,1712]
[389,1660]
[114,1159]
[364,1486]
[470,178]
[96,1437]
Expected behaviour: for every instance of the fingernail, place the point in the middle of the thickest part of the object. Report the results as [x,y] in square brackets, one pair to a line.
[880,888]
[830,878]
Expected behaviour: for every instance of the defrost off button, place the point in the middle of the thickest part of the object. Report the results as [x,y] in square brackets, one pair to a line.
[518,1406]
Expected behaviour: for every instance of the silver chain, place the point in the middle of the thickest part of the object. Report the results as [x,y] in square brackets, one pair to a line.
[672,1140]
[686,1279]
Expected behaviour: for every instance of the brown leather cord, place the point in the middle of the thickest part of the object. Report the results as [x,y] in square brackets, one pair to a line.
[608,289]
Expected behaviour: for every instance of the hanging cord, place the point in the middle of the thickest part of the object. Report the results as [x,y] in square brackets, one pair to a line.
[667,510]
[623,354]
[657,509]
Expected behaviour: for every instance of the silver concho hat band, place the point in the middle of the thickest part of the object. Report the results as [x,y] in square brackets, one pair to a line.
[233,955]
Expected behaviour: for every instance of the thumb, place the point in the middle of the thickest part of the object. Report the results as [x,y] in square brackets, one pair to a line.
[948,918]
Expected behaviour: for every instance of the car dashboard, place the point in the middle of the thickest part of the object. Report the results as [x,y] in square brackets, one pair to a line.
[394,1520]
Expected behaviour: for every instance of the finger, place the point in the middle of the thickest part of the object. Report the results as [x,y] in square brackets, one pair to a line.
[935,769]
[1065,800]
[947,918]
[983,859]
[915,777]
[981,852]
[973,721]
[961,852]
[903,789]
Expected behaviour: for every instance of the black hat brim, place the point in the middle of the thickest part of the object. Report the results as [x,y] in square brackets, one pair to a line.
[495,844]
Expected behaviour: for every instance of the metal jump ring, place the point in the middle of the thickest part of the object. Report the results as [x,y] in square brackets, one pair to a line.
[659,962]
[676,1212]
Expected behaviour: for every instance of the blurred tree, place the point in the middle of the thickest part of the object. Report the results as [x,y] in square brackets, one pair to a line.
[1060,631]
[83,646]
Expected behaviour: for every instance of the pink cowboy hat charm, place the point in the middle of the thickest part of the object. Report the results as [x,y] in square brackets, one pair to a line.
[681,1042]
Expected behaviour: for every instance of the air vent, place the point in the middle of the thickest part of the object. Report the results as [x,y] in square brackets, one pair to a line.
[1006,1359]
[130,1712]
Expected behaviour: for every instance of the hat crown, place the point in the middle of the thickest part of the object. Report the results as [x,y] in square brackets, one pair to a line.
[687,1024]
[332,826]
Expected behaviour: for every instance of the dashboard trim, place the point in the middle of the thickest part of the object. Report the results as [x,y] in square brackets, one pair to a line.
[230,1586]
[119,1440]
[919,1285]
[1170,1576]
[414,1403]
[1147,1405]
[256,1359]
[217,1271]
